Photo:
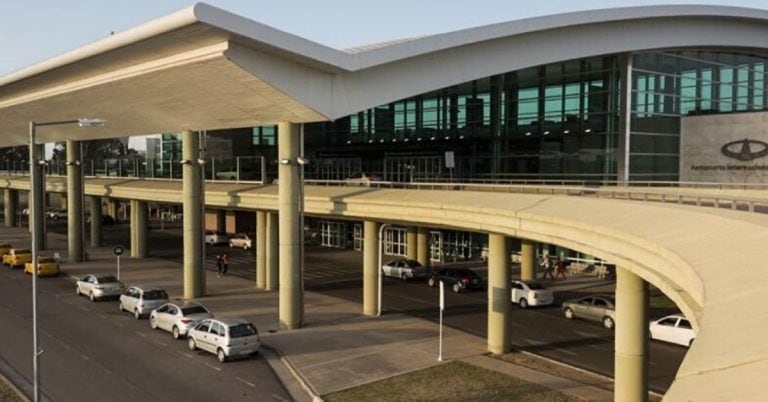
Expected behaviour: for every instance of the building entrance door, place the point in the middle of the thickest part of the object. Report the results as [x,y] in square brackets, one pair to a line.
[357,239]
[436,246]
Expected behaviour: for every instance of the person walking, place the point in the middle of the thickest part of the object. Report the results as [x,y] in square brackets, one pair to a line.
[219,265]
[547,263]
[225,263]
[559,269]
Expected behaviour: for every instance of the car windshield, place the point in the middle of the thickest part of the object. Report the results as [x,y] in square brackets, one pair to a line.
[194,310]
[241,330]
[22,252]
[107,279]
[536,286]
[155,295]
[45,260]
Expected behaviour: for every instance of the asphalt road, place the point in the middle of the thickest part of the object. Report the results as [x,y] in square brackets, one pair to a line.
[541,330]
[92,352]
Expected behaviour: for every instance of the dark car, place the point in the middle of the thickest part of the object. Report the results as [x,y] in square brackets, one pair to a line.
[105,220]
[457,279]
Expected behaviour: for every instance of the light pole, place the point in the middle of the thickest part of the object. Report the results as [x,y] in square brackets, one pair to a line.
[36,217]
[381,270]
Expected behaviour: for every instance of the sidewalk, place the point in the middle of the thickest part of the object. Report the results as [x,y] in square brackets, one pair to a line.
[338,348]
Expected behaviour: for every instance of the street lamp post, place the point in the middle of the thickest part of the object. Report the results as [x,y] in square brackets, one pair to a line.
[381,270]
[36,217]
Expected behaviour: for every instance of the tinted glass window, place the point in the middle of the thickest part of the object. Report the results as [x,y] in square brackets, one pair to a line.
[668,322]
[241,330]
[194,310]
[155,295]
[685,324]
[22,252]
[536,286]
[107,279]
[203,326]
[587,300]
[600,302]
[45,260]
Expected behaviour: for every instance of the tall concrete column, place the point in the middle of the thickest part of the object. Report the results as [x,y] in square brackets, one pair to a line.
[192,188]
[261,249]
[371,267]
[631,338]
[96,221]
[138,229]
[527,260]
[272,251]
[221,220]
[289,203]
[498,294]
[11,206]
[74,202]
[63,199]
[411,247]
[422,244]
[112,208]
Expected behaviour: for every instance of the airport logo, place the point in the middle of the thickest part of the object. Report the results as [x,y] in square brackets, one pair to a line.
[745,150]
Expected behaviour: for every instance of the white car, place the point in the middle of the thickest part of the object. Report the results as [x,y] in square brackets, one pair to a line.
[213,238]
[99,286]
[57,214]
[404,269]
[178,318]
[531,294]
[674,329]
[241,240]
[141,300]
[226,338]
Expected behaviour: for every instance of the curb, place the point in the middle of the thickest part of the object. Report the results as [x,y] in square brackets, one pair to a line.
[579,369]
[4,377]
[306,387]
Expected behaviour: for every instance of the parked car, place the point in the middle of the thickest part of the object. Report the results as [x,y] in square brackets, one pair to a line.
[46,266]
[141,300]
[241,240]
[5,248]
[17,257]
[105,220]
[673,328]
[457,279]
[99,286]
[178,318]
[594,308]
[57,214]
[226,338]
[531,293]
[213,238]
[404,269]
[361,179]
[25,211]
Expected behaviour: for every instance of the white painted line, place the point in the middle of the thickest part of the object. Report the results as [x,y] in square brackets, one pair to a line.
[140,334]
[213,367]
[161,343]
[250,384]
[104,316]
[278,397]
[568,352]
[185,354]
[85,357]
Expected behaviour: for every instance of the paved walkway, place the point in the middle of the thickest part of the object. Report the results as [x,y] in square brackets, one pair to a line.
[339,348]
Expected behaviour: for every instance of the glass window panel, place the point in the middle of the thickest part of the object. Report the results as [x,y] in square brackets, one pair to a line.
[654,144]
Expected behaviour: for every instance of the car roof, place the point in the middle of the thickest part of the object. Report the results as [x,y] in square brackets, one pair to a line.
[674,316]
[231,321]
[183,304]
[147,288]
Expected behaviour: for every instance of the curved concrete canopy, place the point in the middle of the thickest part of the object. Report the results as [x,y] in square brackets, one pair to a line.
[702,258]
[205,68]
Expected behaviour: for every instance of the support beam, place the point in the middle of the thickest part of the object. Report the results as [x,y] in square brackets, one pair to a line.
[74,202]
[527,260]
[96,221]
[192,188]
[631,338]
[411,247]
[422,244]
[221,220]
[498,294]
[261,249]
[370,267]
[11,206]
[273,251]
[290,203]
[138,229]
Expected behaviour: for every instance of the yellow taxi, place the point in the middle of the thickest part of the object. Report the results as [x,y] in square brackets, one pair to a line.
[17,257]
[5,248]
[47,266]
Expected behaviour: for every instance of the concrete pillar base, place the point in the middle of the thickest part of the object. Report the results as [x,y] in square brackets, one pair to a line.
[498,294]
[371,267]
[527,260]
[631,344]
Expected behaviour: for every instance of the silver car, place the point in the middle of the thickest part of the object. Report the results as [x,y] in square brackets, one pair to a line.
[226,338]
[178,318]
[99,286]
[404,269]
[594,308]
[141,300]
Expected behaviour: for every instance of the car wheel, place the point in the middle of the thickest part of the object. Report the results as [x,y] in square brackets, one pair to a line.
[136,314]
[608,322]
[523,303]
[152,323]
[431,282]
[120,307]
[404,276]
[568,312]
[231,245]
[456,288]
[77,290]
[221,356]
[245,247]
[191,344]
[92,297]
[175,332]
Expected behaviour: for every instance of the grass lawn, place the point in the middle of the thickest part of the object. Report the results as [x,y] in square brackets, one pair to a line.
[7,394]
[454,381]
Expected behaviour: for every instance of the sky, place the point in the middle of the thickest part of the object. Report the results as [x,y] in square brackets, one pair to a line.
[34,30]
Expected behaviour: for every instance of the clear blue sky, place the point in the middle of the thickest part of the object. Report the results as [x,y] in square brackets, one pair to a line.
[34,30]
